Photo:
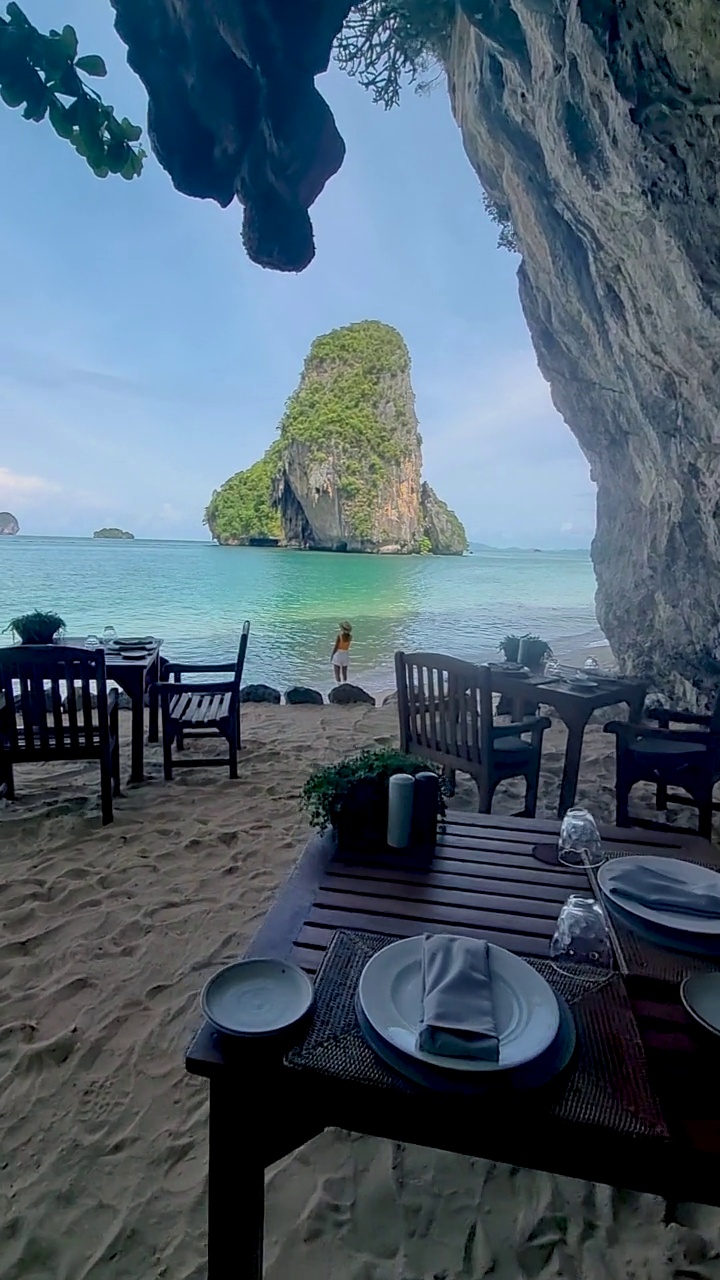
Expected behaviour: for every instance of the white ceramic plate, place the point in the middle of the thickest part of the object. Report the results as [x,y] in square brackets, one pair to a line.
[526,1010]
[672,920]
[131,642]
[257,997]
[700,993]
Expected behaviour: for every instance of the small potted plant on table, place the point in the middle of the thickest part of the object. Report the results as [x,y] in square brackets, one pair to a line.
[351,797]
[37,627]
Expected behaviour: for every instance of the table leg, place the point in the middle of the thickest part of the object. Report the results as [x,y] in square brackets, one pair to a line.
[154,675]
[571,767]
[635,706]
[236,1191]
[138,728]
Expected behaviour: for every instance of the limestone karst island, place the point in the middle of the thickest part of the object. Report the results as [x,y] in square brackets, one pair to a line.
[345,473]
[8,523]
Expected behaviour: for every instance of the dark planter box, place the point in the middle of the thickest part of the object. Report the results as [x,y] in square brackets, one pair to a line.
[361,825]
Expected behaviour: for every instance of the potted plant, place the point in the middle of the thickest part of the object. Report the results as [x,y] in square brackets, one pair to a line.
[533,651]
[527,648]
[37,627]
[509,647]
[352,796]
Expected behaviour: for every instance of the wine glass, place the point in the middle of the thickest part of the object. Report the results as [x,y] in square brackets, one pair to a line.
[109,634]
[552,668]
[581,936]
[591,664]
[93,642]
[579,843]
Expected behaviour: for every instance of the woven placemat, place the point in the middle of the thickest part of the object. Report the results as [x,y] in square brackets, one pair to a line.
[606,1084]
[640,956]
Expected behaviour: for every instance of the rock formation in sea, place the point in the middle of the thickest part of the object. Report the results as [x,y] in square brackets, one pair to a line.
[114,533]
[8,523]
[594,128]
[345,473]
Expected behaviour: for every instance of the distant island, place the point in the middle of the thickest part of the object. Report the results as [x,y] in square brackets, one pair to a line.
[113,533]
[8,523]
[345,473]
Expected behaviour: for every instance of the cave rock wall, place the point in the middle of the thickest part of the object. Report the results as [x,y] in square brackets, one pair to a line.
[597,126]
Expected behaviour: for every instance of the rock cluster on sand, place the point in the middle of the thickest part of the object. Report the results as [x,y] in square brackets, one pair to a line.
[260,693]
[299,695]
[345,694]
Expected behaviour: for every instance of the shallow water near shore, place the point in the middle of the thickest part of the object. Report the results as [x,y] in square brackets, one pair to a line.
[196,595]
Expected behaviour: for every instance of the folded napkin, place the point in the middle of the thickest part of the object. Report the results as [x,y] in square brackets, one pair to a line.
[666,891]
[458,1016]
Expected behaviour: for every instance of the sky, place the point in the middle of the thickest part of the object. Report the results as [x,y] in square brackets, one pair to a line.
[144,358]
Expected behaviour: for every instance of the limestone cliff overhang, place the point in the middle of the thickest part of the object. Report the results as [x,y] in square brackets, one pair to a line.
[234,111]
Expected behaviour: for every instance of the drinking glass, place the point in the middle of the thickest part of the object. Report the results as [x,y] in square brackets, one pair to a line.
[109,634]
[581,935]
[591,664]
[93,642]
[579,843]
[552,668]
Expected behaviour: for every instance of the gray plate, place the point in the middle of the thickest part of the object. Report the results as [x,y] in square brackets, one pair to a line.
[257,997]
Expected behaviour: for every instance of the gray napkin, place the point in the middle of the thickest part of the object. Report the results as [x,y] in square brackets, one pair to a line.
[666,891]
[458,1016]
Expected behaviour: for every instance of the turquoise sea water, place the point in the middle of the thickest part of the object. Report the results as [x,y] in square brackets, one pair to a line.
[196,595]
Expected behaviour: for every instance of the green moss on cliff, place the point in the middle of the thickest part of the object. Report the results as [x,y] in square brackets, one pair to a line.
[348,409]
[241,508]
[442,529]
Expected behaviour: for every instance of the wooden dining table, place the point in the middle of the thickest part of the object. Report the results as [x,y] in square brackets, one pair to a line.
[483,879]
[574,707]
[133,675]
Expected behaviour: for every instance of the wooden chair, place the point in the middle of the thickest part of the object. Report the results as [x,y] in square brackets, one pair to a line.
[34,728]
[207,710]
[446,715]
[688,758]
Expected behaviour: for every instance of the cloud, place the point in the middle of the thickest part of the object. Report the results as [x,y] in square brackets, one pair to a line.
[170,513]
[13,485]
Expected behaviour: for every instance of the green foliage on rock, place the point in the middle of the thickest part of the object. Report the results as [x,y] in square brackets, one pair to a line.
[443,531]
[112,532]
[241,508]
[347,408]
[387,42]
[43,75]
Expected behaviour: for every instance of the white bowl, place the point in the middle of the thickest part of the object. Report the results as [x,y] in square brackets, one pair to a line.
[700,993]
[257,997]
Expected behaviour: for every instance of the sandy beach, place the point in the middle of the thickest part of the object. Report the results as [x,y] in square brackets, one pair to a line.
[107,937]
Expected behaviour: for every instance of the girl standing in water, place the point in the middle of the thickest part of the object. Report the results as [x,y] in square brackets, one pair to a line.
[341,653]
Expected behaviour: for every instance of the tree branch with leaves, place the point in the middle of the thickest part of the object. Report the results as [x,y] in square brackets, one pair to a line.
[43,75]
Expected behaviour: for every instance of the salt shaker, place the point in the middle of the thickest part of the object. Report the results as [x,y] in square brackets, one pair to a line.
[400,809]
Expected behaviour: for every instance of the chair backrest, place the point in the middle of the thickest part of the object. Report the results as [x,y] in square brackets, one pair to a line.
[715,715]
[242,650]
[445,709]
[31,722]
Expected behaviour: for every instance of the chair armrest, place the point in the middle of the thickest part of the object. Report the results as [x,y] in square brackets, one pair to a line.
[666,716]
[523,726]
[113,698]
[177,668]
[631,732]
[166,689]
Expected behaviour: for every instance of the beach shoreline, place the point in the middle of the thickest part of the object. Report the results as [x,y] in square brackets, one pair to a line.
[109,934]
